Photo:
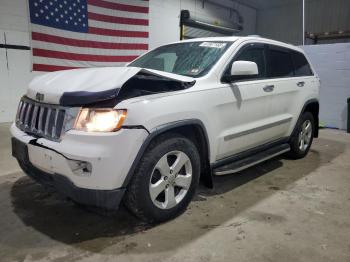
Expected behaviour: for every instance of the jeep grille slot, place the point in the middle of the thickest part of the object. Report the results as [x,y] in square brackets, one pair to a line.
[39,119]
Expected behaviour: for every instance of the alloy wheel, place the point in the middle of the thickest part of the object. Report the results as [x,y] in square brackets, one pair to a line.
[170,180]
[305,135]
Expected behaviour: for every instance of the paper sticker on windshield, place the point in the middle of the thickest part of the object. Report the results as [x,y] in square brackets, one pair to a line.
[194,70]
[213,45]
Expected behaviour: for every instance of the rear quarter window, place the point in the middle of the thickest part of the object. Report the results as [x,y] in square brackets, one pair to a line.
[301,65]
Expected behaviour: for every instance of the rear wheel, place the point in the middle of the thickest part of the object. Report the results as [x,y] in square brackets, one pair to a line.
[165,180]
[302,138]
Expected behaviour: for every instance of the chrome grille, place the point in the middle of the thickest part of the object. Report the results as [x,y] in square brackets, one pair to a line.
[42,120]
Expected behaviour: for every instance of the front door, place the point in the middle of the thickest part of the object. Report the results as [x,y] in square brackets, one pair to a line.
[245,118]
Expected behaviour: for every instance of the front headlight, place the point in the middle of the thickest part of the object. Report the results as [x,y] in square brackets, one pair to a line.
[99,119]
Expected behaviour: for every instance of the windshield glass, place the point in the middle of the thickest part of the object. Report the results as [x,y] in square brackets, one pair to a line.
[193,59]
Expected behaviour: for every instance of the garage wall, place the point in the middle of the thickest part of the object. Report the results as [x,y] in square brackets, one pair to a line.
[15,65]
[331,62]
[218,14]
[284,22]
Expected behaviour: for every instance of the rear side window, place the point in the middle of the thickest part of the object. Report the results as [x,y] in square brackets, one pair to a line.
[280,63]
[301,66]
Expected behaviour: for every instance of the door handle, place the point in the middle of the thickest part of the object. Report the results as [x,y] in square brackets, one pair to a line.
[301,84]
[269,88]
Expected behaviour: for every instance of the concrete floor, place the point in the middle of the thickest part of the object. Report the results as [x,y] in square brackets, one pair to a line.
[281,210]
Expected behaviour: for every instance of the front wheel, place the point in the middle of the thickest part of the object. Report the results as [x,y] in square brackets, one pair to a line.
[302,138]
[165,180]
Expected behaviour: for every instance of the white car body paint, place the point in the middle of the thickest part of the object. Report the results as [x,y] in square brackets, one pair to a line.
[110,154]
[226,110]
[54,84]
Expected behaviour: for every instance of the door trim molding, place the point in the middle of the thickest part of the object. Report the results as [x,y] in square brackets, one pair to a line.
[257,129]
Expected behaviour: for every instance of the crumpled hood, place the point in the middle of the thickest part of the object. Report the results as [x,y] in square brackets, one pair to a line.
[64,87]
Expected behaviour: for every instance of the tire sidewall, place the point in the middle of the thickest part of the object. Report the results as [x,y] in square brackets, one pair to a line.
[295,150]
[145,170]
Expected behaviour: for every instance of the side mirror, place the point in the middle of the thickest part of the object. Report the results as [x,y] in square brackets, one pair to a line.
[244,68]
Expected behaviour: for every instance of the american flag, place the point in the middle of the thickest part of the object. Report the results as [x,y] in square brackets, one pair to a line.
[70,34]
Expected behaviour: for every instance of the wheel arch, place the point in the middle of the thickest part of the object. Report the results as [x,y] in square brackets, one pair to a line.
[313,107]
[193,129]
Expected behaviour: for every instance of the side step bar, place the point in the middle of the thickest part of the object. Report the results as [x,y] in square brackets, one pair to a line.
[251,160]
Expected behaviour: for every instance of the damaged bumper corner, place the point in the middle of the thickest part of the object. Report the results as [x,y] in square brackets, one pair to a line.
[88,168]
[107,199]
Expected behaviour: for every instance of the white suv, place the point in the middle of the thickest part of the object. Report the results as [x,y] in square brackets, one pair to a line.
[148,132]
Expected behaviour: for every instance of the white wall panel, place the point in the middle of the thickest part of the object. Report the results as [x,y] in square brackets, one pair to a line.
[332,65]
[13,15]
[164,22]
[4,87]
[16,37]
[15,75]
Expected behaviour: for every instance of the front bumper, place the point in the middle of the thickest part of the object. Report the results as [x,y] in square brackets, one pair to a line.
[110,157]
[108,199]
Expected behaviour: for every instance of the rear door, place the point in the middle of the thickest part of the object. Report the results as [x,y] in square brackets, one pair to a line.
[289,74]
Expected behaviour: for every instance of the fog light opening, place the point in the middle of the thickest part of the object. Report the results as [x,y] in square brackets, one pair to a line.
[80,168]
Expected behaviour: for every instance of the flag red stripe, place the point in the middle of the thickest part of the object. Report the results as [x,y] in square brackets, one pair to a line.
[86,43]
[122,33]
[50,68]
[117,20]
[81,57]
[117,6]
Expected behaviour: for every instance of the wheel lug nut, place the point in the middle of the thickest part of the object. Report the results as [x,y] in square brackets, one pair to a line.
[171,171]
[166,178]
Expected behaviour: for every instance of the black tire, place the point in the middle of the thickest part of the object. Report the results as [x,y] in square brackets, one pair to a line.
[296,152]
[138,197]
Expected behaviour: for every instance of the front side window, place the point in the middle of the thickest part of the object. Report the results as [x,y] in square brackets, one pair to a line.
[280,63]
[252,53]
[256,55]
[301,65]
[193,59]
